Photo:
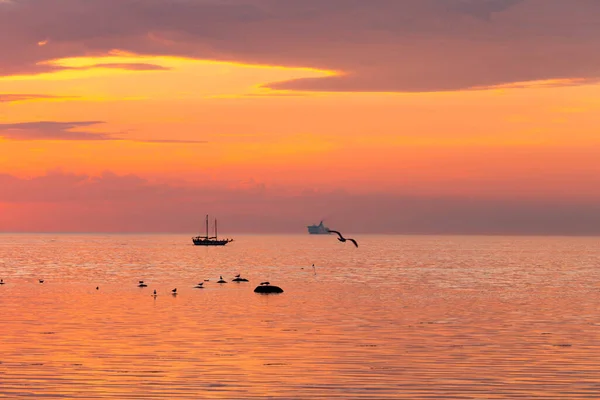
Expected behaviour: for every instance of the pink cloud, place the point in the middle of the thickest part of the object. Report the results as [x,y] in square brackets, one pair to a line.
[380,45]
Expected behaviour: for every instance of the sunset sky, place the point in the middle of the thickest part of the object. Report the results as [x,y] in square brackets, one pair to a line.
[389,116]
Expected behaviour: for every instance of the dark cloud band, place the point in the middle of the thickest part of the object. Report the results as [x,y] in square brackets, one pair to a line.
[379,45]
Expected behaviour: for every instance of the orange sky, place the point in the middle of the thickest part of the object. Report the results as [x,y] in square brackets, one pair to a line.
[196,122]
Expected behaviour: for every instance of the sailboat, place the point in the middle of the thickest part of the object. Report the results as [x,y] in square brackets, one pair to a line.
[210,240]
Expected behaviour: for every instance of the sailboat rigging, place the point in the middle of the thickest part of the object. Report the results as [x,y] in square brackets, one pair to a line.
[210,240]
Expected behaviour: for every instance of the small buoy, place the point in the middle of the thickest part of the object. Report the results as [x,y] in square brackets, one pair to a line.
[266,289]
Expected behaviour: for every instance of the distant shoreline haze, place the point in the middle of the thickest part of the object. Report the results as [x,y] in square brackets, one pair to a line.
[354,215]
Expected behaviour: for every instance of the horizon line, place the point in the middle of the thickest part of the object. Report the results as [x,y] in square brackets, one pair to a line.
[514,234]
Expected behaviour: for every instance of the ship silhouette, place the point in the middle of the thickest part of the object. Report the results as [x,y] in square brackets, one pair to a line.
[318,229]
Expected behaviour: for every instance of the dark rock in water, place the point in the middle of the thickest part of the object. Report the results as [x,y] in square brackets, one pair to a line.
[239,280]
[268,289]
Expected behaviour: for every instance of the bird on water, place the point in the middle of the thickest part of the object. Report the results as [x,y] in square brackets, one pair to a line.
[41,280]
[200,285]
[343,239]
[221,280]
[2,282]
[174,291]
[142,284]
[238,278]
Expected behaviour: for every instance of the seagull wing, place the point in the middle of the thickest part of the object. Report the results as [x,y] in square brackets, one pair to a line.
[336,232]
[353,241]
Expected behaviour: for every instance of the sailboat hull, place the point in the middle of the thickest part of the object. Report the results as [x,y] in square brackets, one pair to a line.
[200,241]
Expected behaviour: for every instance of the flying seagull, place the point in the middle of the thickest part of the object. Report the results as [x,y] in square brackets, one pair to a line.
[343,239]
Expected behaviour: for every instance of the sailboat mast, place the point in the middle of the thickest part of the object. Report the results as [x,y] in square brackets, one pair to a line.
[215,228]
[207,225]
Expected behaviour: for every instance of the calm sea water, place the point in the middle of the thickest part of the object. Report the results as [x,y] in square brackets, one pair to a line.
[399,317]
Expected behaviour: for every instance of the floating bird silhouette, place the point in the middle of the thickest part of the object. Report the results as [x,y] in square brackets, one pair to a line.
[142,284]
[154,294]
[343,239]
[41,280]
[265,283]
[221,280]
[2,282]
[200,285]
[174,291]
[97,287]
[238,278]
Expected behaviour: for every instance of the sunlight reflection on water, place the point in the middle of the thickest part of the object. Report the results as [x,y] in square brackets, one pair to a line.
[399,317]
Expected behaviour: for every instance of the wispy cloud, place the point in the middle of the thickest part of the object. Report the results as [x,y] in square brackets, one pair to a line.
[13,98]
[167,141]
[52,130]
[72,130]
[125,66]
[550,83]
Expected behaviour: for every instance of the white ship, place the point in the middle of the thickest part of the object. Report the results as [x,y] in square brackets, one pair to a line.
[318,229]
